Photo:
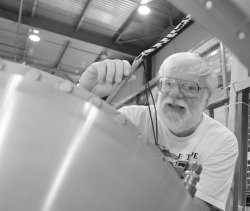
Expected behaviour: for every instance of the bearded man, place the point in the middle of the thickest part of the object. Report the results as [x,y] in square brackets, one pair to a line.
[185,86]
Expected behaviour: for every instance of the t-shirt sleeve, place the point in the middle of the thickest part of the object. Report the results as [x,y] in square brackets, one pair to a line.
[133,114]
[218,171]
[125,110]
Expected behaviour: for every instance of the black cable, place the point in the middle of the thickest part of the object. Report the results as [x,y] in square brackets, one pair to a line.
[147,88]
[151,118]
[156,119]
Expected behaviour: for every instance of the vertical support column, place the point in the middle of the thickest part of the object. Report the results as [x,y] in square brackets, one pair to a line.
[241,132]
[223,72]
[238,73]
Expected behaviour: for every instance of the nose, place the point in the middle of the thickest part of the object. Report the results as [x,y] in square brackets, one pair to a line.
[175,92]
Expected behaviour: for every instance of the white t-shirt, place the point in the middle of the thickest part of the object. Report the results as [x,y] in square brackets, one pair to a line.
[212,145]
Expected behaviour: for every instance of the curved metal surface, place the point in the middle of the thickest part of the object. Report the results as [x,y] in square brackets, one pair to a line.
[63,149]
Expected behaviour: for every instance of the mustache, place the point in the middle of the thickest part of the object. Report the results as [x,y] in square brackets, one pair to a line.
[175,102]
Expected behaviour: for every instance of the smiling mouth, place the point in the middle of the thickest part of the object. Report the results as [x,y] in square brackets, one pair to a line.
[175,107]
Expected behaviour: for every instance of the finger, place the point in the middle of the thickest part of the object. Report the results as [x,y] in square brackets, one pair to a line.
[110,66]
[100,68]
[88,78]
[126,67]
[118,70]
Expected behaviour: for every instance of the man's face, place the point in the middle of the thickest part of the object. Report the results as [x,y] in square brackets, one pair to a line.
[177,110]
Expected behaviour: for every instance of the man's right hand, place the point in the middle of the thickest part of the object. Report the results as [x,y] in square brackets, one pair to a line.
[100,78]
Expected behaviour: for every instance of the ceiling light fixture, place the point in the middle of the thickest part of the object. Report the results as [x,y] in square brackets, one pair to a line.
[213,53]
[145,1]
[36,31]
[144,10]
[34,35]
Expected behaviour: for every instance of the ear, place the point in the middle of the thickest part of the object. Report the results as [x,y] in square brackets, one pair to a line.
[207,100]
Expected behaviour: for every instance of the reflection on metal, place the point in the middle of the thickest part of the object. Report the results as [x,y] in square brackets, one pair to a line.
[241,35]
[66,151]
[77,142]
[7,106]
[209,5]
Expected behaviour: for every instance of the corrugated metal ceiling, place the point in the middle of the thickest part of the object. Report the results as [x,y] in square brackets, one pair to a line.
[74,33]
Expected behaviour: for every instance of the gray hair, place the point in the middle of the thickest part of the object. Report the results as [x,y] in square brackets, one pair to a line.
[200,68]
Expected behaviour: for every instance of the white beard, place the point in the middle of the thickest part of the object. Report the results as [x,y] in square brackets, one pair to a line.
[176,121]
[180,121]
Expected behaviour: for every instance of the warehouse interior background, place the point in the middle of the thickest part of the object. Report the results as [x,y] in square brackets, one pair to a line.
[74,34]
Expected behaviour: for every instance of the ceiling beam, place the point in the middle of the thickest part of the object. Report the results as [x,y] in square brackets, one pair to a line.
[160,35]
[34,7]
[155,7]
[139,39]
[18,27]
[120,31]
[170,20]
[62,54]
[82,17]
[102,55]
[58,64]
[66,30]
[11,46]
[67,76]
[26,48]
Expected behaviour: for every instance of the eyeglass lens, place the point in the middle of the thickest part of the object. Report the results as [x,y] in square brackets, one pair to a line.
[187,88]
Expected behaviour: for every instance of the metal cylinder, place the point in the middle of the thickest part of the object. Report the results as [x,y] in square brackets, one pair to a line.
[192,176]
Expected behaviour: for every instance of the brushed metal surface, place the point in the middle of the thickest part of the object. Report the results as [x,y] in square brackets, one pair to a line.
[61,150]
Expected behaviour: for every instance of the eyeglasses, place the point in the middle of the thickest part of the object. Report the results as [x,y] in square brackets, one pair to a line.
[187,88]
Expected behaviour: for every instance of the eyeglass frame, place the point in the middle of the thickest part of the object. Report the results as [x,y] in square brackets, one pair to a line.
[178,81]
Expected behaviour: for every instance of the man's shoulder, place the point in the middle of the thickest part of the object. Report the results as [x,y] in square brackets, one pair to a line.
[137,114]
[220,132]
[216,125]
[133,109]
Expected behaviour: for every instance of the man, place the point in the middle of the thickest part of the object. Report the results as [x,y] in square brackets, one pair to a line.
[185,87]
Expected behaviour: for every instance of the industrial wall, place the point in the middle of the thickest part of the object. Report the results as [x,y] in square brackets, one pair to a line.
[190,38]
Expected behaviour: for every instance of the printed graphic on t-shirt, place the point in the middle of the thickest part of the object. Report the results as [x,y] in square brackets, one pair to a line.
[180,161]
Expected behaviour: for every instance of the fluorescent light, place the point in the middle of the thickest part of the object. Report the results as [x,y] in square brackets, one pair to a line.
[214,53]
[144,10]
[34,37]
[36,31]
[144,1]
